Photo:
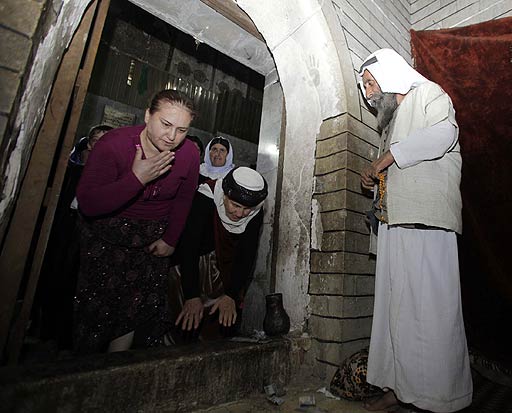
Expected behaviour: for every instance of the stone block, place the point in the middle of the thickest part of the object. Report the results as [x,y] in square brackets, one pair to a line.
[343,200]
[344,220]
[339,125]
[365,131]
[14,50]
[342,262]
[331,163]
[341,307]
[340,330]
[338,180]
[156,380]
[341,284]
[9,82]
[323,370]
[332,145]
[345,241]
[21,15]
[336,353]
[333,126]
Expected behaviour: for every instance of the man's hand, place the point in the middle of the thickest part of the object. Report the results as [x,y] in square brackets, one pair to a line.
[191,314]
[160,248]
[150,168]
[227,310]
[370,174]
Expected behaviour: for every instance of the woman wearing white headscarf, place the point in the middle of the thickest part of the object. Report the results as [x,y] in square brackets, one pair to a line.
[218,159]
[218,247]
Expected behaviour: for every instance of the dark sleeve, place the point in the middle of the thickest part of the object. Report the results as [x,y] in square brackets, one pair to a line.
[245,257]
[104,187]
[199,222]
[182,202]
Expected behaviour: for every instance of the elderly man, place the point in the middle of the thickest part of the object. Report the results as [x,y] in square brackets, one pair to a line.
[418,351]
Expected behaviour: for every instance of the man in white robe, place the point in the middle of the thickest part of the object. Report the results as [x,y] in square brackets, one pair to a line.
[418,351]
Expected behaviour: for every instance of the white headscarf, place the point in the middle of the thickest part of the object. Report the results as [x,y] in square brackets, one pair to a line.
[216,172]
[245,177]
[391,71]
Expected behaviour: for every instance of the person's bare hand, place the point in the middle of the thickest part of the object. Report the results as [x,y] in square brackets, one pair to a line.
[160,248]
[370,175]
[151,168]
[191,314]
[227,310]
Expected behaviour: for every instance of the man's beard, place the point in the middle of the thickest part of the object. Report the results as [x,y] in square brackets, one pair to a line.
[386,104]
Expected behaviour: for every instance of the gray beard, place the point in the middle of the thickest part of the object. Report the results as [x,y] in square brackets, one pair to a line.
[385,104]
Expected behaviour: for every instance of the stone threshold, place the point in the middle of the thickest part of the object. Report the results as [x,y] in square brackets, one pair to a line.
[170,379]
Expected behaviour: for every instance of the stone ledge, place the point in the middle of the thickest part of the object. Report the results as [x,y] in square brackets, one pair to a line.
[163,380]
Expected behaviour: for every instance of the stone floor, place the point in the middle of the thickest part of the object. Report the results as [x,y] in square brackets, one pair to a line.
[302,388]
[488,397]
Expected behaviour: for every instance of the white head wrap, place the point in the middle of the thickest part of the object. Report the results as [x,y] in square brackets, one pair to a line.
[215,172]
[391,71]
[246,177]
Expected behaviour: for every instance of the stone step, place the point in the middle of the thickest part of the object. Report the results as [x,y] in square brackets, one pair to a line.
[167,379]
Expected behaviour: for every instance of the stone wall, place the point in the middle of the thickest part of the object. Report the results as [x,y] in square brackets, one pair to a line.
[26,80]
[19,20]
[18,23]
[431,14]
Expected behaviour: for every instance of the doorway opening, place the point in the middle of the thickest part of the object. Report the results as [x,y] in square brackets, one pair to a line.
[138,55]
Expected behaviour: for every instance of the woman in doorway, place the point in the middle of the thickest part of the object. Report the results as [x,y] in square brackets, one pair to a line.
[218,247]
[135,194]
[218,159]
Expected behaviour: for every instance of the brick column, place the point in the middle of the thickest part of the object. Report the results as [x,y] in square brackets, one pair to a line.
[342,272]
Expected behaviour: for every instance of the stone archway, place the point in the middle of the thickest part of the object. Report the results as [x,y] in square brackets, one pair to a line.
[311,62]
[315,70]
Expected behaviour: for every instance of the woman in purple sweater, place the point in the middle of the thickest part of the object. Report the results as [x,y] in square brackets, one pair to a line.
[135,194]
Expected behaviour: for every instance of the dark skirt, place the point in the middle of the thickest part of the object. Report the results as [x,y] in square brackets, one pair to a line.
[121,288]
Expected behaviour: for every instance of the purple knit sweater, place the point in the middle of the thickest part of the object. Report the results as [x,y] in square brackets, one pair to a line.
[108,187]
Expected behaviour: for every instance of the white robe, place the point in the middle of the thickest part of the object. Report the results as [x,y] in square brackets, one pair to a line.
[418,344]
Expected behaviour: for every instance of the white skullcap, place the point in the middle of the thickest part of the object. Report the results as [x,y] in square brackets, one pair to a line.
[391,71]
[248,178]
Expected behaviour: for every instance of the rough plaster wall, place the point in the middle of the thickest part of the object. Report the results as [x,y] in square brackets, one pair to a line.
[435,14]
[34,98]
[306,59]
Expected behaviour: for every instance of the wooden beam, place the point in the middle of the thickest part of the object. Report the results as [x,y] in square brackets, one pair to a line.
[14,256]
[80,91]
[230,10]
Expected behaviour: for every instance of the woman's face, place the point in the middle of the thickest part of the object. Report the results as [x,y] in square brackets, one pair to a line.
[168,126]
[218,154]
[234,210]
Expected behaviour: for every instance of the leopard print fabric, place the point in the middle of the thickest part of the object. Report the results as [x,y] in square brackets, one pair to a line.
[349,381]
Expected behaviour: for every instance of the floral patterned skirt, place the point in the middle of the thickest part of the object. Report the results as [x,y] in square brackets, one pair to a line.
[121,288]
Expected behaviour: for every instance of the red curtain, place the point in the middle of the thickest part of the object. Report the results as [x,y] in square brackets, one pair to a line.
[474,65]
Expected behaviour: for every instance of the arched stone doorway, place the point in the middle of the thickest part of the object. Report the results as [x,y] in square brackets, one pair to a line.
[321,111]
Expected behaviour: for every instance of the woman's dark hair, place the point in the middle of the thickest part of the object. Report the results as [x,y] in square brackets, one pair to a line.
[223,141]
[98,128]
[174,97]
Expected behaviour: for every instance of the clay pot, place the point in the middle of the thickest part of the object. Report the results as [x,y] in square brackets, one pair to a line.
[276,320]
